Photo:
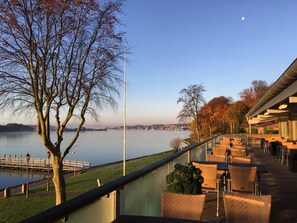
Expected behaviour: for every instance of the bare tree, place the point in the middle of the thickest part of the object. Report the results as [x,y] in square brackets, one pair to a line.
[260,88]
[251,95]
[175,144]
[192,99]
[59,59]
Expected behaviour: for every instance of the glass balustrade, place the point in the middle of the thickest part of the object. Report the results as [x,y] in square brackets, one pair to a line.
[138,193]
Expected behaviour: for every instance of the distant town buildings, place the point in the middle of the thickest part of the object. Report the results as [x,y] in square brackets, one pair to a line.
[14,127]
[167,127]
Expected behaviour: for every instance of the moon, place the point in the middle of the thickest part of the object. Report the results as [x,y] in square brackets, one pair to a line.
[242,18]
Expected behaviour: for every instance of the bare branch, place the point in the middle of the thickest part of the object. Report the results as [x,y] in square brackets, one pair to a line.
[60,59]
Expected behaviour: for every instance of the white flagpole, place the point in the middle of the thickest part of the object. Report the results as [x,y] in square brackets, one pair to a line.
[124,130]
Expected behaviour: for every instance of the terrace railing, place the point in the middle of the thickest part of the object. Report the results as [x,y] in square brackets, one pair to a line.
[138,193]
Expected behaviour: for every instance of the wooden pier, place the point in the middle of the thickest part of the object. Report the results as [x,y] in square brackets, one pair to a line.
[40,164]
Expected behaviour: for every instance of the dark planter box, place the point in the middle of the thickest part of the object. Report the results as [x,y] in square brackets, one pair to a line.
[278,149]
[293,160]
[263,143]
[273,148]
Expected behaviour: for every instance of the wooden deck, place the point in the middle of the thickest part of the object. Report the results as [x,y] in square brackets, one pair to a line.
[280,182]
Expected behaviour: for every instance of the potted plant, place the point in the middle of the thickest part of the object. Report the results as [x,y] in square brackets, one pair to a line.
[183,198]
[184,179]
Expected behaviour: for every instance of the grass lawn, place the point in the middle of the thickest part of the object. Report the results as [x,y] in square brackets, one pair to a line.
[18,208]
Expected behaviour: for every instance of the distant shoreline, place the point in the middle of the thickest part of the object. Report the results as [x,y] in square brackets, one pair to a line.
[15,127]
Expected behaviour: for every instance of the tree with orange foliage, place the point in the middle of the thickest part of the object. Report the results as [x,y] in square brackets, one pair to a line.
[212,116]
[251,95]
[236,116]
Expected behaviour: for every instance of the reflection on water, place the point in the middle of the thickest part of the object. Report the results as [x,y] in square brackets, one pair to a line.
[13,177]
[95,147]
[14,135]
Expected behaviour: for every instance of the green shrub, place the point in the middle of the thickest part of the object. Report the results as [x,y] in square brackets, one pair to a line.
[185,179]
[270,131]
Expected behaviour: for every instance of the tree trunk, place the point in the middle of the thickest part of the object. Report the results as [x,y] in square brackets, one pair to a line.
[231,127]
[58,180]
[197,133]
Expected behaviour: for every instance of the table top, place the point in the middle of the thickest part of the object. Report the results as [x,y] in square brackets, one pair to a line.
[224,165]
[289,145]
[248,151]
[150,219]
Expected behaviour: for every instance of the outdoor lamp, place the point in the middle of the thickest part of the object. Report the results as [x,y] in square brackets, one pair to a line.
[27,188]
[282,106]
[48,167]
[28,157]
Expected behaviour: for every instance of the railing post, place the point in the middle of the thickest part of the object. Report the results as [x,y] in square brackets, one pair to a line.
[189,156]
[117,203]
[168,167]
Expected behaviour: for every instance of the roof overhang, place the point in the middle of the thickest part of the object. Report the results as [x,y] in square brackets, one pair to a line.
[283,91]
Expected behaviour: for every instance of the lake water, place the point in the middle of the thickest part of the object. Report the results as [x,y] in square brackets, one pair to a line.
[95,147]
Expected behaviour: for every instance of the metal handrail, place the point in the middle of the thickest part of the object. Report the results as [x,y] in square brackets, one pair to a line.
[66,208]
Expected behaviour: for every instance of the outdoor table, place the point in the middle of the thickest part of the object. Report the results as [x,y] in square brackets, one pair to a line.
[224,166]
[247,151]
[228,151]
[292,148]
[150,219]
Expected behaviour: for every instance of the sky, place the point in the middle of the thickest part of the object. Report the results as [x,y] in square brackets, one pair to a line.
[222,44]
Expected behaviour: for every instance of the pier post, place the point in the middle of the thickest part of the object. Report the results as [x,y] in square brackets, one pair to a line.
[6,193]
[99,182]
[23,189]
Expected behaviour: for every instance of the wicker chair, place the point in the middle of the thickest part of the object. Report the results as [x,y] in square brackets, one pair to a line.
[238,152]
[242,179]
[237,146]
[247,208]
[216,158]
[241,159]
[285,152]
[219,151]
[211,180]
[224,144]
[183,206]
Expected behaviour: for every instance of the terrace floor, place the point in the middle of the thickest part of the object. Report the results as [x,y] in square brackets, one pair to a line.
[280,182]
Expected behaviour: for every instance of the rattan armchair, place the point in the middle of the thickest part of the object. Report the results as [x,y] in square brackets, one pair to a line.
[238,152]
[241,159]
[238,146]
[247,208]
[216,158]
[211,180]
[285,152]
[219,151]
[242,179]
[183,206]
